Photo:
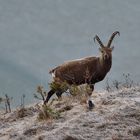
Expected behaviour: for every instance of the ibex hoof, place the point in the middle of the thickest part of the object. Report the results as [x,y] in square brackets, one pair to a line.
[90,105]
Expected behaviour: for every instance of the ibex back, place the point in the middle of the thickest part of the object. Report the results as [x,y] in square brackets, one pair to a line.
[89,70]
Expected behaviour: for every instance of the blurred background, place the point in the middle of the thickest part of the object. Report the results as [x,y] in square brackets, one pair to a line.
[38,35]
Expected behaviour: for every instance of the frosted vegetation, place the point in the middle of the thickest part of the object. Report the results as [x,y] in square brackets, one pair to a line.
[116,115]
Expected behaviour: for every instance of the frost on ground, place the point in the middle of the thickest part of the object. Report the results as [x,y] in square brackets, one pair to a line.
[116,116]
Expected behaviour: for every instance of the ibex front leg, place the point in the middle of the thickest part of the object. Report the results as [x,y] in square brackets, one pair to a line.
[50,93]
[90,103]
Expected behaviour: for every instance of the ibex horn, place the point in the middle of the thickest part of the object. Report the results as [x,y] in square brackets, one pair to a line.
[111,38]
[98,40]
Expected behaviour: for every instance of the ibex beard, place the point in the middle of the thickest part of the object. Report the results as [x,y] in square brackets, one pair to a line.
[89,70]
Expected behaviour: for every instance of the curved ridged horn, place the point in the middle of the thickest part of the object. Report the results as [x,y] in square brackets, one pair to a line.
[98,40]
[112,37]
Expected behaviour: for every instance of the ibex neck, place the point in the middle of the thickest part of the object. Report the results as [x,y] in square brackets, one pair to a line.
[105,64]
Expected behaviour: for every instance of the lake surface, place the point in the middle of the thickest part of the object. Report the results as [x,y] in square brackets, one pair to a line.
[36,36]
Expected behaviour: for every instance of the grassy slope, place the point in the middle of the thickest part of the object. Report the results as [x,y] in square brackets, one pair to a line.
[116,116]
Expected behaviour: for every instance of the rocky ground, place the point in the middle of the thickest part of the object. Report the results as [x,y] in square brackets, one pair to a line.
[116,116]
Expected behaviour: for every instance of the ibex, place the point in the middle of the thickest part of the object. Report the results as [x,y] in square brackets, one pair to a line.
[75,72]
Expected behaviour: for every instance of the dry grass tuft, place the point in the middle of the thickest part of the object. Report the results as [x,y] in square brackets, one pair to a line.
[66,108]
[21,113]
[24,112]
[70,138]
[46,113]
[136,131]
[116,137]
[30,132]
[106,101]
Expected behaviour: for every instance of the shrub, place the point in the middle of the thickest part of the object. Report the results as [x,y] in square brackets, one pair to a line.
[46,113]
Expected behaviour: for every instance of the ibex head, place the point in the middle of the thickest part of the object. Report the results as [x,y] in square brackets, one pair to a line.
[106,51]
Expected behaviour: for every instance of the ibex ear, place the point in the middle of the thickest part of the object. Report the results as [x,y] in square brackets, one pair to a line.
[112,48]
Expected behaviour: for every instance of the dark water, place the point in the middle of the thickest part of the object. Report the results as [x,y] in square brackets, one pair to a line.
[36,36]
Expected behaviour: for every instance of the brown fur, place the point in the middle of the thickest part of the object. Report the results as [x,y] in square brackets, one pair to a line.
[86,70]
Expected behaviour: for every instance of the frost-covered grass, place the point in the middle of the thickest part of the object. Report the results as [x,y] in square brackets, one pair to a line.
[116,116]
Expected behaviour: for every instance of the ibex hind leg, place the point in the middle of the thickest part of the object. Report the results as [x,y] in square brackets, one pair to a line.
[90,102]
[50,93]
[59,94]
